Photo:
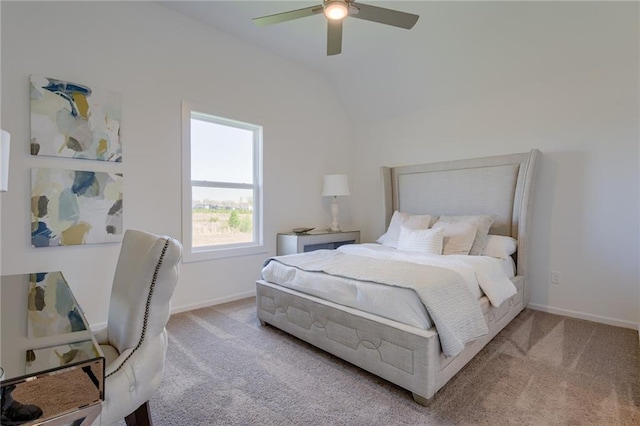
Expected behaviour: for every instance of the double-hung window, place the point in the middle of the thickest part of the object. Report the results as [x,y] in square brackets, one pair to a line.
[222,186]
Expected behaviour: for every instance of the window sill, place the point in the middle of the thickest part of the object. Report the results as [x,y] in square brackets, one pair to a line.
[221,253]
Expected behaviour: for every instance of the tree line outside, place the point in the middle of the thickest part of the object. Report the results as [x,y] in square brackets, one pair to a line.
[222,223]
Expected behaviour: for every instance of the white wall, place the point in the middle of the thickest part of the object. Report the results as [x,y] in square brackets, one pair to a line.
[156,58]
[578,104]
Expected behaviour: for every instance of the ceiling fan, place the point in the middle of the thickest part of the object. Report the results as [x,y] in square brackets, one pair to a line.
[335,12]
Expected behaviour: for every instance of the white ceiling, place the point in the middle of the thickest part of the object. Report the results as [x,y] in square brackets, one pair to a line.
[449,55]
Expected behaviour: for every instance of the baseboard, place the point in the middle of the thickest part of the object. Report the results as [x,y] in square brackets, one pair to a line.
[211,302]
[185,308]
[584,316]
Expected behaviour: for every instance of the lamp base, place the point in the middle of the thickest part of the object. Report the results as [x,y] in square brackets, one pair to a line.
[334,216]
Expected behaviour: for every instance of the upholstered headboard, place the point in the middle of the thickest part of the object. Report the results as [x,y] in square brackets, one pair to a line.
[499,185]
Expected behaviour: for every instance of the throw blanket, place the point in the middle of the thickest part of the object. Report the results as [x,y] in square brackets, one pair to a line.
[455,313]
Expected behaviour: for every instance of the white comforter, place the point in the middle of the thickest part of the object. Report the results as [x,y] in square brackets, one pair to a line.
[478,271]
[442,301]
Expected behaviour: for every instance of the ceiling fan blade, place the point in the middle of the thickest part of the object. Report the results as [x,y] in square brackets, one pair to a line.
[287,16]
[334,36]
[384,16]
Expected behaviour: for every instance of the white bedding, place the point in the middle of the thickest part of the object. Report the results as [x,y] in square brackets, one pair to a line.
[398,304]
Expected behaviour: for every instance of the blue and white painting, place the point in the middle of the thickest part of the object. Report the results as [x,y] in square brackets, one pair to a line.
[74,120]
[70,207]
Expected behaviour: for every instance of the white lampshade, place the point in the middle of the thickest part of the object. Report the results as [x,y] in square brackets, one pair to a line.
[335,185]
[4,161]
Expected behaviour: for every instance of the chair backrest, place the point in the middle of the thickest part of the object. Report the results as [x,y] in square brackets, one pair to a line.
[145,278]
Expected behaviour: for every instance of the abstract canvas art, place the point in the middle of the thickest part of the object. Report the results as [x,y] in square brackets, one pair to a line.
[74,120]
[70,207]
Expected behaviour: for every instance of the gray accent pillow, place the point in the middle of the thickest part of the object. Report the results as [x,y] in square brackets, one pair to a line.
[458,235]
[482,222]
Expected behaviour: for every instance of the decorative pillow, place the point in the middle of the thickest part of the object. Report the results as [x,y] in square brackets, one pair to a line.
[458,236]
[482,222]
[418,221]
[427,241]
[391,237]
[500,246]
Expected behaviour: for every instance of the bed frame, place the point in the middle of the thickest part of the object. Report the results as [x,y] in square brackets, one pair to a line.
[408,356]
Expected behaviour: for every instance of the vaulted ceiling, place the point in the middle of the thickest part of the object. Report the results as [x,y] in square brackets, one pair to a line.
[449,55]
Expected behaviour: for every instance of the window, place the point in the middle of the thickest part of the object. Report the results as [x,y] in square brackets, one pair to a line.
[222,186]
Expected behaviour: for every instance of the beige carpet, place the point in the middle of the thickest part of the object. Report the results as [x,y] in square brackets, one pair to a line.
[223,368]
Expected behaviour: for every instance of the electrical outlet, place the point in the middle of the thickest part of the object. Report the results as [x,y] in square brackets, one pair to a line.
[555,277]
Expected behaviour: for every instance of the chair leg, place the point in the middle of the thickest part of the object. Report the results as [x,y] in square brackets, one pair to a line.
[140,417]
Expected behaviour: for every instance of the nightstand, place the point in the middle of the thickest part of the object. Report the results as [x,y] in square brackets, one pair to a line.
[290,243]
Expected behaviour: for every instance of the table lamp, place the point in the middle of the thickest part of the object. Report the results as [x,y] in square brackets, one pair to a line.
[335,186]
[4,160]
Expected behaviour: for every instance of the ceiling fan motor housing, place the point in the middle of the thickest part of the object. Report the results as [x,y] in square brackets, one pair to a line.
[336,9]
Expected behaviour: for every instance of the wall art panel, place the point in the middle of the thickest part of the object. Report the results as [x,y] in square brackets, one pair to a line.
[70,207]
[74,120]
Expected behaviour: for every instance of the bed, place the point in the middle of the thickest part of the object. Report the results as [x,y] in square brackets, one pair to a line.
[411,355]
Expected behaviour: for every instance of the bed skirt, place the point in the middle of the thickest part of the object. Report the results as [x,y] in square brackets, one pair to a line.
[407,356]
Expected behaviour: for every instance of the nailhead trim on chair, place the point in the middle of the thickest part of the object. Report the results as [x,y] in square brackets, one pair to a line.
[146,308]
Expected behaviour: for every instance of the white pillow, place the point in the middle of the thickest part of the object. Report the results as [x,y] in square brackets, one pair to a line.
[458,236]
[392,236]
[500,246]
[482,222]
[427,241]
[381,238]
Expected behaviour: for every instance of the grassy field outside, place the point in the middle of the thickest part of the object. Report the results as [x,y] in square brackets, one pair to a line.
[221,226]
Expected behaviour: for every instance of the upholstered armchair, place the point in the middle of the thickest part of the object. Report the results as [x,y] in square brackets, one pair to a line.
[135,340]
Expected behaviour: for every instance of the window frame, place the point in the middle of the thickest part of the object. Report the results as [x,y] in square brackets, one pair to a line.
[195,254]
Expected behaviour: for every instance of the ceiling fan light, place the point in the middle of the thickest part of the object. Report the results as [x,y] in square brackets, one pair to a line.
[336,9]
